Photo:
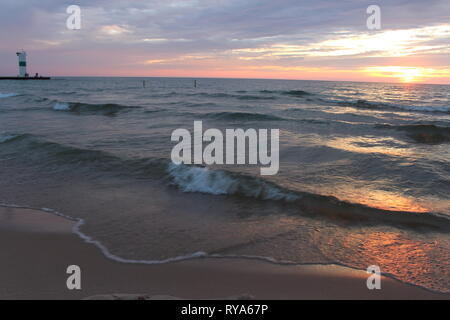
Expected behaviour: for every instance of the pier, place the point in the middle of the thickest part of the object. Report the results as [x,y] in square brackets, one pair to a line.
[25,78]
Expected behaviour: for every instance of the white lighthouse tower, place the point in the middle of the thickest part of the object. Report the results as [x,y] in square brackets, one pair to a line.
[22,64]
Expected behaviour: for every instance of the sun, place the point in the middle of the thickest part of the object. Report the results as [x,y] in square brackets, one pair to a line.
[403,74]
[409,74]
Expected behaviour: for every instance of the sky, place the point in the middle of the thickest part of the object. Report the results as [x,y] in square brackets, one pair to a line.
[276,39]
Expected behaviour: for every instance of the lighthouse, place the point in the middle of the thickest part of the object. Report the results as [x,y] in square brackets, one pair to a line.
[23,75]
[22,64]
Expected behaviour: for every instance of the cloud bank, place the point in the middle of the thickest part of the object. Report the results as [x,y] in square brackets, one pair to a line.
[293,39]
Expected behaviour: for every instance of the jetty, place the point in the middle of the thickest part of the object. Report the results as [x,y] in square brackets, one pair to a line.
[25,78]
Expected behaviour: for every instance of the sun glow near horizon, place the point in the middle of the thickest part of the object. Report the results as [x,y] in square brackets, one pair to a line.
[404,55]
[406,74]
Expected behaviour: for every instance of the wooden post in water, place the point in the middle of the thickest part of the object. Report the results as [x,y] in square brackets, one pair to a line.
[195,83]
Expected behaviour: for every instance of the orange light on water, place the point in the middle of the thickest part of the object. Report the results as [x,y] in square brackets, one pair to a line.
[390,201]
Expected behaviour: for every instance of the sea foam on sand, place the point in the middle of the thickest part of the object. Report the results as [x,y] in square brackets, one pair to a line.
[44,260]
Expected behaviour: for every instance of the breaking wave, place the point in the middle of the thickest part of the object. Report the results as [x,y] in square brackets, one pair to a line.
[78,107]
[217,182]
[8,95]
[61,106]
[6,137]
[195,179]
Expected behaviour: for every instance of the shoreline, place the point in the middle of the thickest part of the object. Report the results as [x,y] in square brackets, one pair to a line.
[38,246]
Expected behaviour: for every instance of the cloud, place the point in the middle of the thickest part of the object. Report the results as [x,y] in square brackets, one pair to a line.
[127,35]
[114,30]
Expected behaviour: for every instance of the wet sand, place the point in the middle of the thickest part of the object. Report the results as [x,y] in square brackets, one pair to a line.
[37,247]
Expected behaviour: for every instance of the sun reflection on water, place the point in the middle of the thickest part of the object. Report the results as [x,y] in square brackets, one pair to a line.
[420,260]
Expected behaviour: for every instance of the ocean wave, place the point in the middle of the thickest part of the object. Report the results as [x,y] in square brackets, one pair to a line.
[68,93]
[423,133]
[244,116]
[196,104]
[67,155]
[8,95]
[6,137]
[252,97]
[87,108]
[217,182]
[61,106]
[243,94]
[234,96]
[364,104]
[296,93]
[441,109]
[195,179]
[154,111]
[187,178]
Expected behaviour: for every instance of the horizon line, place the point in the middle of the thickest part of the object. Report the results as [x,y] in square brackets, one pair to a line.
[230,78]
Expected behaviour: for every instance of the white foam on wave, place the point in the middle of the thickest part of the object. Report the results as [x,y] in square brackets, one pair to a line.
[61,106]
[7,95]
[7,137]
[216,182]
[197,179]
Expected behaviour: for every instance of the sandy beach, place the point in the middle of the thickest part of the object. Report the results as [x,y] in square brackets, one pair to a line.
[36,248]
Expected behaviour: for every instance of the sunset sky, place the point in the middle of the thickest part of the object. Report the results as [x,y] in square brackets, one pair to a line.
[286,39]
